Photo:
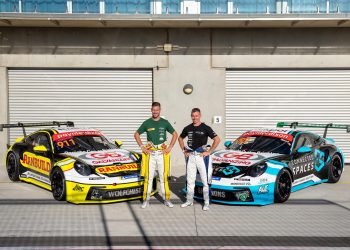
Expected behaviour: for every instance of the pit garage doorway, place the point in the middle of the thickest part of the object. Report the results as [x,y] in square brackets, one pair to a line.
[114,101]
[260,98]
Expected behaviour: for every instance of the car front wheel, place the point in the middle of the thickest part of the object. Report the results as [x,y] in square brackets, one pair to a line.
[283,186]
[12,166]
[58,184]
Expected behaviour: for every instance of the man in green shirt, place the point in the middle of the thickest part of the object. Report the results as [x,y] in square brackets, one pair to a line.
[156,154]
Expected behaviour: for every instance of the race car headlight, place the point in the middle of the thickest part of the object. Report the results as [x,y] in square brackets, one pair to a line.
[82,169]
[257,170]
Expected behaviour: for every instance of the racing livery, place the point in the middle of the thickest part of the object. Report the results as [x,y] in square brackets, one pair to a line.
[77,165]
[264,166]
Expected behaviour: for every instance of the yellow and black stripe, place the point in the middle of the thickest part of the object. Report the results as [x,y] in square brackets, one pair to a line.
[145,173]
[166,159]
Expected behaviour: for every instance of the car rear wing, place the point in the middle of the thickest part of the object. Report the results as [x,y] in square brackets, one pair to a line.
[35,124]
[314,125]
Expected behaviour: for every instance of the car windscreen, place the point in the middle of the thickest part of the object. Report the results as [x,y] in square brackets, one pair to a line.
[262,144]
[82,143]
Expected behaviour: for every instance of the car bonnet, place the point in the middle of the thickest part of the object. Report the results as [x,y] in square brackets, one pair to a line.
[102,157]
[241,158]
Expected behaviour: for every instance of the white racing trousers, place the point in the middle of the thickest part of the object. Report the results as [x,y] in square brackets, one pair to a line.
[204,166]
[156,160]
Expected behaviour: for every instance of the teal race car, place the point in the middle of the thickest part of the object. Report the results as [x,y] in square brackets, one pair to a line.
[263,166]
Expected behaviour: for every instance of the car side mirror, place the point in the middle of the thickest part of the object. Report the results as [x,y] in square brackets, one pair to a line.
[40,149]
[118,143]
[227,144]
[304,149]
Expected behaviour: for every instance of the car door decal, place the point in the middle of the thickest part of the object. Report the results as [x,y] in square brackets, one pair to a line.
[37,163]
[319,160]
[302,166]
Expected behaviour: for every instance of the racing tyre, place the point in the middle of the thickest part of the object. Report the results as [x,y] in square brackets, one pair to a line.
[283,186]
[58,185]
[335,169]
[12,166]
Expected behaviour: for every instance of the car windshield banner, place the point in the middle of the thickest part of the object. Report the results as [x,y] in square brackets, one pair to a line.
[68,135]
[279,135]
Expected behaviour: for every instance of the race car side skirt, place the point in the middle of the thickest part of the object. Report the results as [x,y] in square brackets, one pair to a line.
[36,182]
[307,184]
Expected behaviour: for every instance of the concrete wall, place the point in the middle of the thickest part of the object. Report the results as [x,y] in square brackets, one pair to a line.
[201,59]
[3,119]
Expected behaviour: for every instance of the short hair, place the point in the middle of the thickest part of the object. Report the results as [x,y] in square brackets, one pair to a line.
[155,104]
[195,110]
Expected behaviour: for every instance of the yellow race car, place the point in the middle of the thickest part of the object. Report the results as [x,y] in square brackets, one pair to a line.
[77,165]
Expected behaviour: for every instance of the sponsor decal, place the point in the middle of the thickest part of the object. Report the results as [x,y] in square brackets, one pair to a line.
[130,176]
[96,178]
[301,169]
[216,178]
[263,189]
[78,188]
[274,134]
[124,192]
[38,177]
[216,193]
[242,196]
[241,179]
[238,156]
[113,194]
[229,170]
[304,179]
[232,161]
[240,183]
[263,180]
[319,158]
[116,169]
[305,159]
[150,129]
[112,160]
[302,166]
[37,163]
[105,157]
[225,195]
[68,135]
[199,132]
[96,195]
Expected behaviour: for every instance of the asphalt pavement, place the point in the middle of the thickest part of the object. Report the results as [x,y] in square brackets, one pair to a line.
[314,218]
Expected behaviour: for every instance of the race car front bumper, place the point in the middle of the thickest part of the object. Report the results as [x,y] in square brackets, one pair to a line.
[238,195]
[79,193]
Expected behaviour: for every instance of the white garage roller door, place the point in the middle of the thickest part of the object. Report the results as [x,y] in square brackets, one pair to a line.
[115,101]
[261,98]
